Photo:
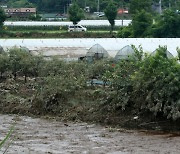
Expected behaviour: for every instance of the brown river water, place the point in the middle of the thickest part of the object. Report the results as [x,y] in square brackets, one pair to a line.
[49,136]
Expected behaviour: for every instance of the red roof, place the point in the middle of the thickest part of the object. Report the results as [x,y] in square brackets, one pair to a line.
[121,11]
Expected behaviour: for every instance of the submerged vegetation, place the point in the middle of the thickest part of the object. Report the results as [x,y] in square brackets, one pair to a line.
[145,86]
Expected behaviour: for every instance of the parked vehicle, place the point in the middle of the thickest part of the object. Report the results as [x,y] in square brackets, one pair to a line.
[76,28]
[99,14]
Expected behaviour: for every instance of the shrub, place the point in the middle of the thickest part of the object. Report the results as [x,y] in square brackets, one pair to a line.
[125,32]
[61,84]
[4,63]
[121,84]
[23,63]
[157,83]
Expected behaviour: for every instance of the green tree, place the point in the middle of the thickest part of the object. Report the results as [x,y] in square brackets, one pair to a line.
[138,5]
[2,18]
[111,13]
[178,51]
[142,24]
[75,13]
[125,32]
[168,25]
[53,67]
[4,63]
[14,59]
[26,63]
[19,3]
[35,17]
[21,62]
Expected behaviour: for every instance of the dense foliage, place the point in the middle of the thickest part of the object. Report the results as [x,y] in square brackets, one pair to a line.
[75,13]
[139,5]
[140,84]
[167,25]
[157,82]
[61,6]
[111,13]
[2,18]
[142,24]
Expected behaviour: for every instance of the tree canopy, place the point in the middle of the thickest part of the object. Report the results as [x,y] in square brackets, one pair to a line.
[75,13]
[111,13]
[62,6]
[2,18]
[142,24]
[168,25]
[138,5]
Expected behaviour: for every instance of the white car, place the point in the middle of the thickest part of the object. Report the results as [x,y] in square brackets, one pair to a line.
[76,28]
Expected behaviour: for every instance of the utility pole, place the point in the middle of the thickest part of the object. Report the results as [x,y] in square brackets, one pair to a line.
[169,5]
[64,10]
[85,5]
[98,6]
[176,4]
[122,13]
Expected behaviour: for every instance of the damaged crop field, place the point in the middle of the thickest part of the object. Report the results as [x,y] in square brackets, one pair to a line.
[137,93]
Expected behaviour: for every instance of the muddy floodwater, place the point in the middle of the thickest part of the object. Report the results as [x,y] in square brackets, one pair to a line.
[48,136]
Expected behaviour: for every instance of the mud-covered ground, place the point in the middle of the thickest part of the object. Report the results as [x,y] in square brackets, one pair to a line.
[41,136]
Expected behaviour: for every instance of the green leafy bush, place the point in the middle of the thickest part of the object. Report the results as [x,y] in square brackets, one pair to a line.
[61,81]
[157,84]
[141,83]
[121,84]
[4,63]
[125,32]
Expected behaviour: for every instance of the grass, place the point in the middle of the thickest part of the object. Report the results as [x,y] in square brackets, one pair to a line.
[56,34]
[58,31]
[6,138]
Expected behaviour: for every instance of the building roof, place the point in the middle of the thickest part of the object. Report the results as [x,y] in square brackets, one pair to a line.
[20,10]
[122,11]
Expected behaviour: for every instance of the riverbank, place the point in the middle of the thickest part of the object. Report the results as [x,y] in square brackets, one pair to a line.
[87,105]
[121,96]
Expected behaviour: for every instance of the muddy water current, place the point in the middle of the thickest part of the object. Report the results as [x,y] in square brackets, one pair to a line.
[48,136]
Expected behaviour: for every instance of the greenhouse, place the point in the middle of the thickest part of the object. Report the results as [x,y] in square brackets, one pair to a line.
[96,52]
[124,53]
[169,55]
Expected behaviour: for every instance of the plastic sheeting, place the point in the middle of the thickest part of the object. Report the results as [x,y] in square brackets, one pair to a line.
[124,53]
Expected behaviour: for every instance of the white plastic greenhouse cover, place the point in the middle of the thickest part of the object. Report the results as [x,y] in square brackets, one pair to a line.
[169,55]
[97,48]
[125,53]
[80,45]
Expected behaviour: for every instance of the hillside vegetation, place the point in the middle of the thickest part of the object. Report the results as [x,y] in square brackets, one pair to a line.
[61,5]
